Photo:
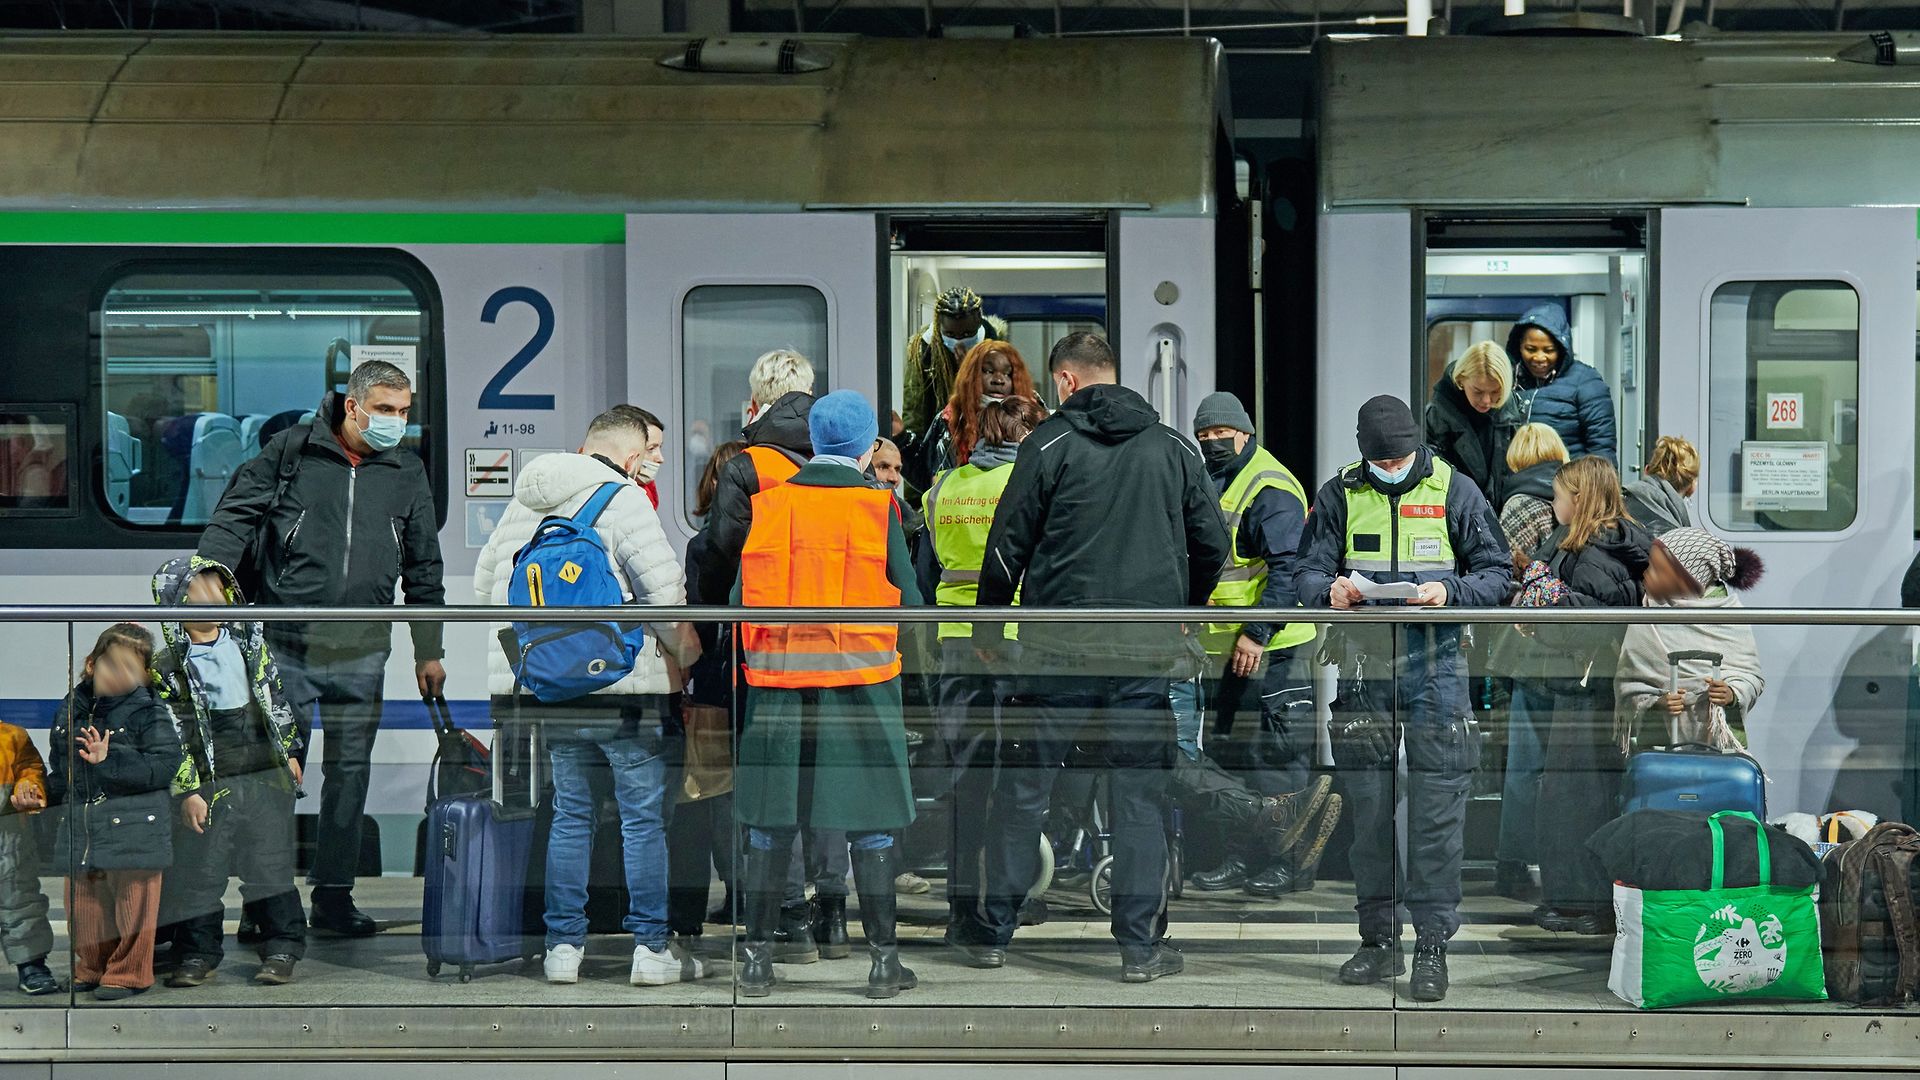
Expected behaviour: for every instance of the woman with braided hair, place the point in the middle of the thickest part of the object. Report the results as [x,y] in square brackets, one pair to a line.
[934,354]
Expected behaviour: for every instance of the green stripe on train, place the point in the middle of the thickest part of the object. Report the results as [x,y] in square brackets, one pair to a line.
[248,227]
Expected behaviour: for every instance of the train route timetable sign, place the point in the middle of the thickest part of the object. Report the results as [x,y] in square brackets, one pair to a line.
[490,473]
[1783,476]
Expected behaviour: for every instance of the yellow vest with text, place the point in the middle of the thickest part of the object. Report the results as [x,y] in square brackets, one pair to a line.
[959,508]
[1408,538]
[1244,576]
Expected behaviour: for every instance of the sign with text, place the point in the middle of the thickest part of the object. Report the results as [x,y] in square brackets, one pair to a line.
[1783,476]
[1786,411]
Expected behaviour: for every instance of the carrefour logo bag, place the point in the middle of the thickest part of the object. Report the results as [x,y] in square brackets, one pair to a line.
[1692,947]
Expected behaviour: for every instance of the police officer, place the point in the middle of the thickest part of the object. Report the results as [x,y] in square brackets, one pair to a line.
[1265,510]
[1401,515]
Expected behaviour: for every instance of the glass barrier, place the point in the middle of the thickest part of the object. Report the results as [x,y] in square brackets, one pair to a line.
[1088,811]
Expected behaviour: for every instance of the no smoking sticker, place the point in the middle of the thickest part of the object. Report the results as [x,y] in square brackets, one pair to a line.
[490,474]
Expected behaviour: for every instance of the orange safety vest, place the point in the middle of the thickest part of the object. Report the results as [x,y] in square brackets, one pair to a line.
[771,466]
[818,547]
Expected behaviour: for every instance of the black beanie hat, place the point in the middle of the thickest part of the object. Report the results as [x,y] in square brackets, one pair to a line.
[1387,431]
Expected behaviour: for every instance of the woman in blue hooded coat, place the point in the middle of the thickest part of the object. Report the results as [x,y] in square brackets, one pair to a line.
[1557,390]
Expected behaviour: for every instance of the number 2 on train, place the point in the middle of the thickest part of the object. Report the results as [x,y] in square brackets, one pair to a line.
[495,395]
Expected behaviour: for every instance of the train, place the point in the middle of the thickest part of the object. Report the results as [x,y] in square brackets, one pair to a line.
[200,236]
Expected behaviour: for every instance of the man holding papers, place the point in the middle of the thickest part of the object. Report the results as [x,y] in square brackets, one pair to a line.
[1401,527]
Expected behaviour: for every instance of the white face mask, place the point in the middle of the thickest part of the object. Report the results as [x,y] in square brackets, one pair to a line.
[645,470]
[1391,478]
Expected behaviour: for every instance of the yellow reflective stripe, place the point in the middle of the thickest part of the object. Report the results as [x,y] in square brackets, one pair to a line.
[952,577]
[1250,572]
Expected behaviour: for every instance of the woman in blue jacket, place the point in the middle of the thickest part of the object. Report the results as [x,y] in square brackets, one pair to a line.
[1557,390]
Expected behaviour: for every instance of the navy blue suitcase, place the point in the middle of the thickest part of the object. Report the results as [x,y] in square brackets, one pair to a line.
[476,868]
[1697,779]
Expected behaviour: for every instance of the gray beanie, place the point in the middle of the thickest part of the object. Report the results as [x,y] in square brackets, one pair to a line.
[1221,409]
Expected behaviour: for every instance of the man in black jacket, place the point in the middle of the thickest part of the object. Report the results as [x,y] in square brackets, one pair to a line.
[781,385]
[356,512]
[1106,507]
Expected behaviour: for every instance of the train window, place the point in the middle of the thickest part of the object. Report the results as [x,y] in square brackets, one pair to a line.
[34,444]
[201,368]
[1783,388]
[723,330]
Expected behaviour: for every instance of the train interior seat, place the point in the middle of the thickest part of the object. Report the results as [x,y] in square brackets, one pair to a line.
[250,441]
[218,451]
[125,460]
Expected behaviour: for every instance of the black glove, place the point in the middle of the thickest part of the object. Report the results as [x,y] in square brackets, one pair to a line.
[1362,742]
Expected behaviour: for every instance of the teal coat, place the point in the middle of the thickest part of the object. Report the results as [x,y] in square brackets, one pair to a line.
[857,776]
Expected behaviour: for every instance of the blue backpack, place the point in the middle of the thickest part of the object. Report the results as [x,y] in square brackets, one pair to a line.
[566,565]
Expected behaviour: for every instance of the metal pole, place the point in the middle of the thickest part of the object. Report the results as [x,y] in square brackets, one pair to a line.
[1419,13]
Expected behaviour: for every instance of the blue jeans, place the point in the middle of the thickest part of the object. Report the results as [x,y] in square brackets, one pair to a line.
[1188,716]
[1526,758]
[636,758]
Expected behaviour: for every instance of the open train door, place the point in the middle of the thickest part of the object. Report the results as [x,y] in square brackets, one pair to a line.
[707,294]
[1785,352]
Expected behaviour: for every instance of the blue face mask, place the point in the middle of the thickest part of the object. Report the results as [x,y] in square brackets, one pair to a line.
[1391,478]
[384,432]
[959,346]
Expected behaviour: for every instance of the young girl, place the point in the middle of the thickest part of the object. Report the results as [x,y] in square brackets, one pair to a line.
[25,934]
[1691,568]
[992,370]
[1600,555]
[115,752]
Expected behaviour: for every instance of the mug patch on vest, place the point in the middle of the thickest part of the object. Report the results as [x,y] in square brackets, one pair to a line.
[1426,547]
[1366,541]
[1422,510]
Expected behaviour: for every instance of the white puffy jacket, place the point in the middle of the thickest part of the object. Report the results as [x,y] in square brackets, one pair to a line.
[649,573]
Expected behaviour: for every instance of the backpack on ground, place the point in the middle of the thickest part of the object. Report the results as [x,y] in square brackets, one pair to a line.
[567,565]
[1867,916]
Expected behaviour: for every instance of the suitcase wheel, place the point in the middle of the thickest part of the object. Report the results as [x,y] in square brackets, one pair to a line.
[433,969]
[466,973]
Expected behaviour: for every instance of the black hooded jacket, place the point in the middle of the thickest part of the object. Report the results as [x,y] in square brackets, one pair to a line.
[1605,573]
[1106,507]
[784,427]
[1473,442]
[118,813]
[340,536]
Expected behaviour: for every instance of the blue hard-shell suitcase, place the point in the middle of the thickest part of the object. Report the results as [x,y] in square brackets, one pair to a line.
[1697,779]
[476,867]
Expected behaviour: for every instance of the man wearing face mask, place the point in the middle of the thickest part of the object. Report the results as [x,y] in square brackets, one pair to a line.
[1265,509]
[934,355]
[1401,515]
[350,514]
[617,730]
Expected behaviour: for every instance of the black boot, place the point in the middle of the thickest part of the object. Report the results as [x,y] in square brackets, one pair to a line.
[765,885]
[1306,856]
[1230,874]
[793,938]
[1377,959]
[1278,879]
[830,927]
[1429,982]
[873,874]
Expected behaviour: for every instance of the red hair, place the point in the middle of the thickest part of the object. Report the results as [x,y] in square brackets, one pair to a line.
[970,385]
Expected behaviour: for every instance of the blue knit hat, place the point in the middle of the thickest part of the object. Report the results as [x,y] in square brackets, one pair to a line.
[842,424]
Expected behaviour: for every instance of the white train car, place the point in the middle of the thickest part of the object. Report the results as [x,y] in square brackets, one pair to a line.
[200,236]
[1729,221]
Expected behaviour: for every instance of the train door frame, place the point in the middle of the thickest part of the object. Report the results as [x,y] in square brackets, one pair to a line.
[1545,231]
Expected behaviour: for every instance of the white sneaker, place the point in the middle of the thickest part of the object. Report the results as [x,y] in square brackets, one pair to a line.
[670,963]
[563,963]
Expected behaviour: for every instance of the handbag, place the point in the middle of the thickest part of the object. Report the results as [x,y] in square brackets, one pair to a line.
[708,763]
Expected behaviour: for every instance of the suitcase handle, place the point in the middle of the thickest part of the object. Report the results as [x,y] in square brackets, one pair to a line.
[494,766]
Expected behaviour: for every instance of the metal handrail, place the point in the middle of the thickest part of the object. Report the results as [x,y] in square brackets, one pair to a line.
[1661,616]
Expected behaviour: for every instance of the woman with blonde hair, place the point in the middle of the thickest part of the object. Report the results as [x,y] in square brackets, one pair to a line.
[1472,415]
[1534,458]
[1600,555]
[1658,500]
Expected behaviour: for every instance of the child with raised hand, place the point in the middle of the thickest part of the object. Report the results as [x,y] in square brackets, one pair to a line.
[1691,568]
[25,933]
[114,752]
[237,779]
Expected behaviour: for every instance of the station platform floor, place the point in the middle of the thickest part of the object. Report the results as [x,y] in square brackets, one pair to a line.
[1241,952]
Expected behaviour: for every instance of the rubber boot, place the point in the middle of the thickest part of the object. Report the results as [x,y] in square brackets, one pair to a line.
[830,927]
[873,874]
[765,886]
[793,935]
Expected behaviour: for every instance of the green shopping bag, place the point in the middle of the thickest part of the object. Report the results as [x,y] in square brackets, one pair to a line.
[1687,947]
